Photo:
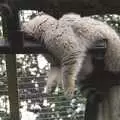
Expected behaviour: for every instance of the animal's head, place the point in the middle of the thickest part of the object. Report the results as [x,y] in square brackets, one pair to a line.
[37,24]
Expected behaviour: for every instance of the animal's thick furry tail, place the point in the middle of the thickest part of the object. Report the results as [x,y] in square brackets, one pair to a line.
[89,30]
[112,56]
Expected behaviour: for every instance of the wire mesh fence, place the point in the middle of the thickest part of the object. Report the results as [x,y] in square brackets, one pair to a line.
[34,103]
[52,106]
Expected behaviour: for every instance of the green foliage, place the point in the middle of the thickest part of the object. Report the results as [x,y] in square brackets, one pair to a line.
[112,20]
[4,115]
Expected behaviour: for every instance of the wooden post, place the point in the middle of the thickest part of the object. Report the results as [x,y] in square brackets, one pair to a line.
[12,86]
[109,109]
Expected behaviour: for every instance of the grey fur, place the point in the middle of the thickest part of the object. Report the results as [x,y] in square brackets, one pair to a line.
[69,38]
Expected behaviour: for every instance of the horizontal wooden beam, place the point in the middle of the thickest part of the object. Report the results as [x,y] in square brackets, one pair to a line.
[36,47]
[28,47]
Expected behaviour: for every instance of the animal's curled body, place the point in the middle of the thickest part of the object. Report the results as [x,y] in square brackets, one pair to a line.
[69,39]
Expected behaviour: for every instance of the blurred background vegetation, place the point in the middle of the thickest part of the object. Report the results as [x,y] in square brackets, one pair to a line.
[32,70]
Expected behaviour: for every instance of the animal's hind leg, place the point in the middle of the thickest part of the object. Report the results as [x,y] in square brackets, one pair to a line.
[70,69]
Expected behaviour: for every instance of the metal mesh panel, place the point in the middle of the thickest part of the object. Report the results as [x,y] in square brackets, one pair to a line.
[48,107]
[35,102]
[4,101]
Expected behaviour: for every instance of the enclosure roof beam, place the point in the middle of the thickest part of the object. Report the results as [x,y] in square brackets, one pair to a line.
[59,7]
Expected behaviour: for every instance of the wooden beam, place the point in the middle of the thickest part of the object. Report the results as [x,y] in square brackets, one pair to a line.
[12,86]
[34,46]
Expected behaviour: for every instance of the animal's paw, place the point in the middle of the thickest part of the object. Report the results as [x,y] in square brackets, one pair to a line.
[69,93]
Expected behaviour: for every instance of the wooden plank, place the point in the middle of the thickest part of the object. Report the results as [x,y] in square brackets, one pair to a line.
[34,47]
